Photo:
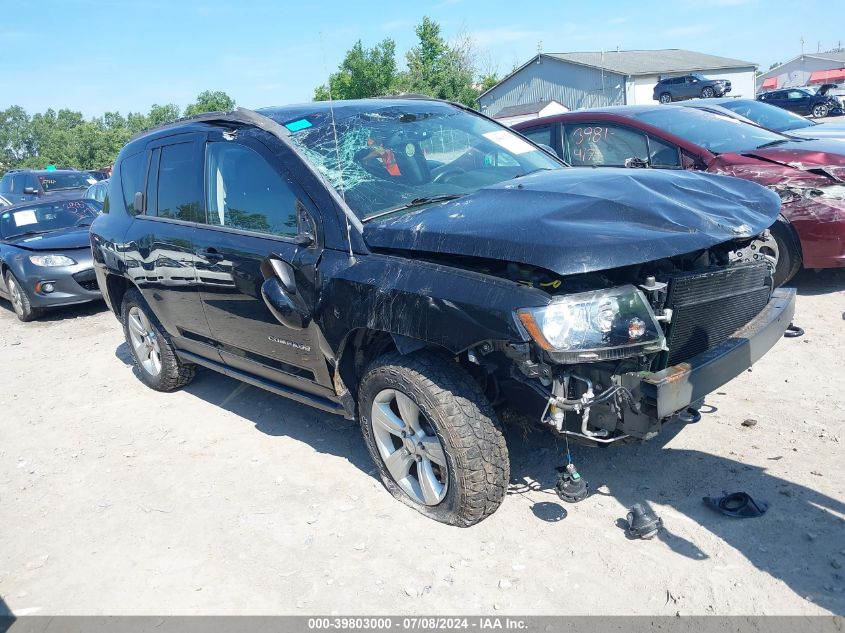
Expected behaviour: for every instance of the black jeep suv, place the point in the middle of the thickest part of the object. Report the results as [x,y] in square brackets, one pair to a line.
[416,266]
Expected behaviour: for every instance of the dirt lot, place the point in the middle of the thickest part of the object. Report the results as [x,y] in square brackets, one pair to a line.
[222,498]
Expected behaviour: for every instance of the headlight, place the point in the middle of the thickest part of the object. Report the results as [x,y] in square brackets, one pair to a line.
[51,260]
[599,325]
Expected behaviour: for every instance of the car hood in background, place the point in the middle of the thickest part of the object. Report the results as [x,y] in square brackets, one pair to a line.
[824,131]
[63,239]
[818,156]
[578,220]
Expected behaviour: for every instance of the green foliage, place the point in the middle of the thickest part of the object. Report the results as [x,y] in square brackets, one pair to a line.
[210,101]
[66,139]
[435,67]
[364,72]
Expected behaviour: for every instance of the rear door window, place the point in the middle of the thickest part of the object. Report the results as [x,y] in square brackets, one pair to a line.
[179,192]
[596,144]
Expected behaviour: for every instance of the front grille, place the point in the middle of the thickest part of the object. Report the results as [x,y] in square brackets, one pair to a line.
[87,279]
[708,307]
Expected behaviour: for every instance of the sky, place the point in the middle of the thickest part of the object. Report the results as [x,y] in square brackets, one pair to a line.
[105,55]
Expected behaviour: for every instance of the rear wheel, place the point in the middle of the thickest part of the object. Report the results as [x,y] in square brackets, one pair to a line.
[820,111]
[434,437]
[789,252]
[707,92]
[665,98]
[151,347]
[20,300]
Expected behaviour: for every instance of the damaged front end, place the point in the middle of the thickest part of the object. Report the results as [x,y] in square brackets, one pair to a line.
[616,362]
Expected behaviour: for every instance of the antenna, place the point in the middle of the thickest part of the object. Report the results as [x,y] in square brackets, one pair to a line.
[336,147]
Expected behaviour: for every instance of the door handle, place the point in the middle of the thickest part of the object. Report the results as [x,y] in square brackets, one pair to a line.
[210,255]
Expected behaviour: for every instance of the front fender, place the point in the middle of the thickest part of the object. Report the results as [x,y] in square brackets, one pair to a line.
[439,305]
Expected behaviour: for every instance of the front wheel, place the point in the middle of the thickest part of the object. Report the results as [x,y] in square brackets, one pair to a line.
[708,93]
[20,299]
[665,98]
[820,111]
[434,437]
[789,252]
[152,350]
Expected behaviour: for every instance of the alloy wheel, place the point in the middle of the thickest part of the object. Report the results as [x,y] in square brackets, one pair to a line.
[665,98]
[15,294]
[144,341]
[409,447]
[820,111]
[707,93]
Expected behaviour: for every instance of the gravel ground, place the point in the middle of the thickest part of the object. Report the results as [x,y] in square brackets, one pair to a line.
[222,498]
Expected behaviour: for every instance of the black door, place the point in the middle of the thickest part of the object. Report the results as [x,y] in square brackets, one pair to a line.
[253,213]
[159,243]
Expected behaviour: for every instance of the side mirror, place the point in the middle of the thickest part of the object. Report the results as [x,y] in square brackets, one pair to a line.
[636,163]
[283,306]
[548,149]
[30,191]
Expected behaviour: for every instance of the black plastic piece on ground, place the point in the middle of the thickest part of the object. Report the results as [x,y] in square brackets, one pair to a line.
[571,486]
[737,504]
[643,522]
[793,331]
[689,416]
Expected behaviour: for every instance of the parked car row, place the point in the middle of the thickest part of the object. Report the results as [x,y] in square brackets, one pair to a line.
[808,175]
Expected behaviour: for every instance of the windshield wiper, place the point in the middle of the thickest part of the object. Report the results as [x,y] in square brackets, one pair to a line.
[416,202]
[533,171]
[780,141]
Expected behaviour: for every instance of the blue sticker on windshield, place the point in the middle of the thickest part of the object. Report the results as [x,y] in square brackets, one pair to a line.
[295,126]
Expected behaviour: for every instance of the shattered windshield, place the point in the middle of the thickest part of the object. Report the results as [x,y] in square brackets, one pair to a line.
[715,132]
[393,156]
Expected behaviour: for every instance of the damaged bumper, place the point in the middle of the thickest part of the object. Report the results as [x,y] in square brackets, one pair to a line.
[664,393]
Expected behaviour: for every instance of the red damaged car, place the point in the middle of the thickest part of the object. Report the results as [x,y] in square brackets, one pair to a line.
[809,175]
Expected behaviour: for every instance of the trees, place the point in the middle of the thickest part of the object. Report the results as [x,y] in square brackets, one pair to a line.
[364,72]
[441,69]
[64,138]
[210,101]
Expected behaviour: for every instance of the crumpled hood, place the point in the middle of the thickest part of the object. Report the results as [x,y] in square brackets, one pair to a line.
[63,239]
[578,220]
[822,155]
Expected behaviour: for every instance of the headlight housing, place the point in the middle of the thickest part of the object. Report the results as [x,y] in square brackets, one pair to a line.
[51,260]
[599,325]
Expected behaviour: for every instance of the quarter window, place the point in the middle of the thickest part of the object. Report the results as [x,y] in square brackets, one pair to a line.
[245,192]
[540,135]
[179,183]
[662,154]
[608,145]
[132,179]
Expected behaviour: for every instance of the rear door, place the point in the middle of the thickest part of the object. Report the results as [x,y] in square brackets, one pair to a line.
[254,213]
[160,250]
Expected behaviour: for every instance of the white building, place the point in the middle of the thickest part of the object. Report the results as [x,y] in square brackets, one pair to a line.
[587,80]
[804,70]
[518,113]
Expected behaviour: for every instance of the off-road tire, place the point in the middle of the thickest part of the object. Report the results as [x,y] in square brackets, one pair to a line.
[707,92]
[465,423]
[174,372]
[789,252]
[820,111]
[27,312]
[665,98]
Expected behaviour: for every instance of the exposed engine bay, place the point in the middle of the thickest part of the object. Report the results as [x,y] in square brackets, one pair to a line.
[697,301]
